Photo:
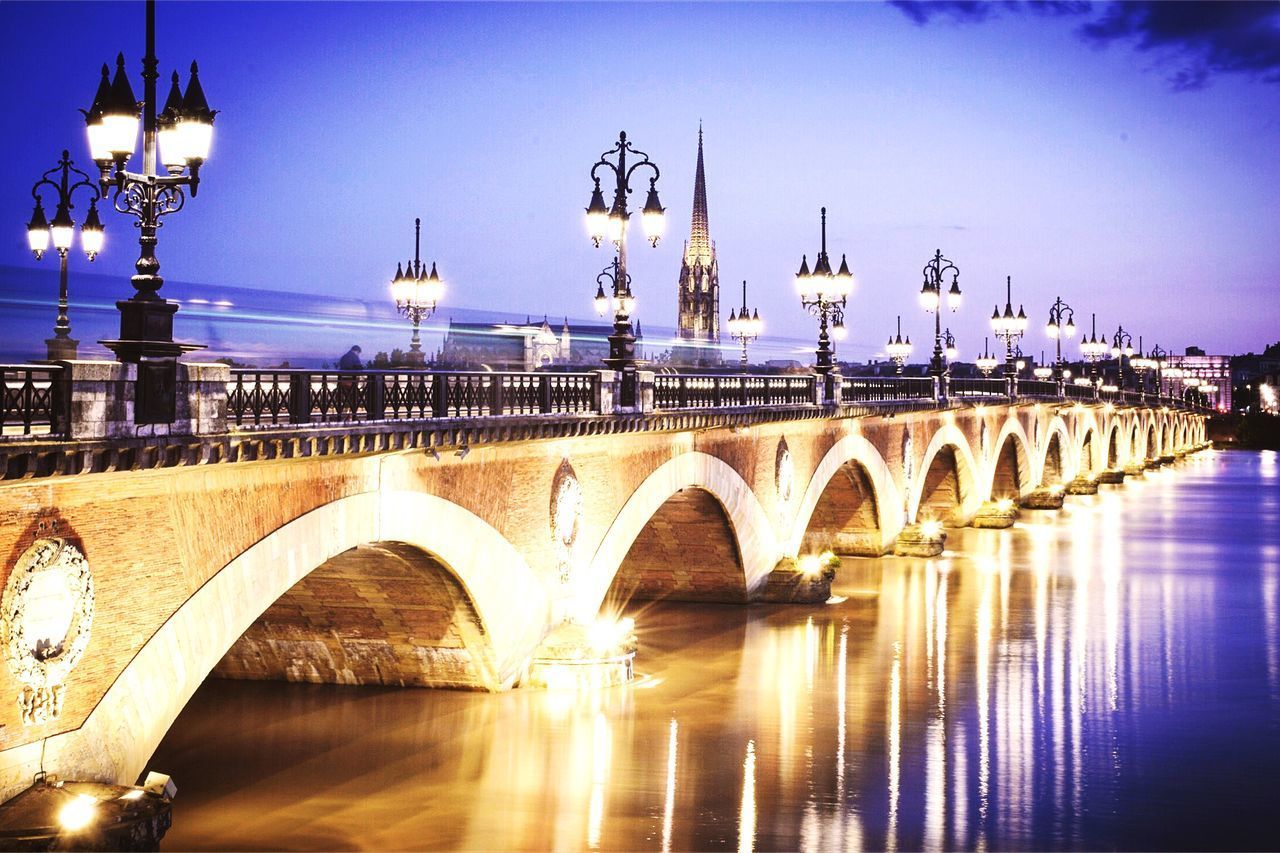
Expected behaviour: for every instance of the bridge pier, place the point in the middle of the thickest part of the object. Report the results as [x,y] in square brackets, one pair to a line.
[996,515]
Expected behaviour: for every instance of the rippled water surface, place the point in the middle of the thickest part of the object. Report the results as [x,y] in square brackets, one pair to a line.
[1103,677]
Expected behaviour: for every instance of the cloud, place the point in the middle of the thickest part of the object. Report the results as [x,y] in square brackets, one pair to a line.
[1190,41]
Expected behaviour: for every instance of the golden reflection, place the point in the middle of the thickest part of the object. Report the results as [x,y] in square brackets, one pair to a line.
[601,747]
[747,813]
[982,650]
[895,746]
[669,805]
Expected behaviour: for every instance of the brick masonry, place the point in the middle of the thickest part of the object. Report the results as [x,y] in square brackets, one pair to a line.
[385,614]
[845,519]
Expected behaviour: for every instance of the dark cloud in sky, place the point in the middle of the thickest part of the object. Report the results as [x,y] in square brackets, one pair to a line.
[1191,40]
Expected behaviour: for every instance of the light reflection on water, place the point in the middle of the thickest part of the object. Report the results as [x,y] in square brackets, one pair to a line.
[1108,680]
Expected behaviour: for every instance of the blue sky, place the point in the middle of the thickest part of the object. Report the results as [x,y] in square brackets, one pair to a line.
[1002,136]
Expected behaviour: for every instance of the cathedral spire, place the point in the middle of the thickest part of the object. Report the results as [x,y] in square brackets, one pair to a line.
[700,232]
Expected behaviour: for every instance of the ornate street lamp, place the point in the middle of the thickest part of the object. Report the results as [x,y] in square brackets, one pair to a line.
[416,293]
[1043,371]
[1061,325]
[931,299]
[986,362]
[1121,348]
[180,138]
[949,346]
[621,290]
[612,223]
[1092,349]
[898,349]
[744,327]
[60,232]
[825,294]
[1009,327]
[1157,357]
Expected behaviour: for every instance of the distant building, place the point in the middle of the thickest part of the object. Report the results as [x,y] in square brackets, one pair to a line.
[507,346]
[1256,381]
[1201,369]
[698,329]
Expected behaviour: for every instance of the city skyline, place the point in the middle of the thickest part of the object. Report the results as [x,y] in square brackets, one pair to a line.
[1024,150]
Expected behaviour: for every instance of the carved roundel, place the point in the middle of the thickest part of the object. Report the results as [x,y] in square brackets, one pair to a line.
[784,472]
[47,613]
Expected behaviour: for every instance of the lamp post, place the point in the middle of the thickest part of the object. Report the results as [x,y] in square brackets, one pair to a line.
[931,299]
[416,293]
[898,349]
[744,327]
[1121,348]
[986,362]
[949,346]
[40,232]
[1009,328]
[179,137]
[612,223]
[1061,325]
[1093,350]
[1043,371]
[1157,357]
[825,294]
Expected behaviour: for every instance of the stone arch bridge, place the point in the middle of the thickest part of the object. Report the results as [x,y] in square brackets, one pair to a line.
[440,548]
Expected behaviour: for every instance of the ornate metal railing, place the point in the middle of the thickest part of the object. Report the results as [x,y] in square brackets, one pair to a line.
[973,387]
[31,400]
[257,397]
[873,389]
[1044,389]
[1079,392]
[710,391]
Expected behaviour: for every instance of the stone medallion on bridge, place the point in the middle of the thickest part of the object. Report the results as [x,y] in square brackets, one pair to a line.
[784,473]
[47,613]
[566,517]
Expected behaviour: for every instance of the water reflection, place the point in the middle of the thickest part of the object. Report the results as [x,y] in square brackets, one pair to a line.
[1108,678]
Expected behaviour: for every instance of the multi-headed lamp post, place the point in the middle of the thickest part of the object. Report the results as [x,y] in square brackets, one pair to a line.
[1061,325]
[898,349]
[744,327]
[1093,350]
[949,346]
[1009,327]
[622,299]
[935,272]
[61,231]
[178,137]
[416,293]
[986,362]
[1121,348]
[1156,359]
[611,223]
[825,294]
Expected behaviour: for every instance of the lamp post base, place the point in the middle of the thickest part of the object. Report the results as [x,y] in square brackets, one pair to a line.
[60,349]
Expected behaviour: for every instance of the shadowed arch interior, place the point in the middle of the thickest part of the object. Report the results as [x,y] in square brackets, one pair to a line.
[687,552]
[1052,474]
[1133,443]
[846,519]
[1086,455]
[1113,450]
[1011,470]
[1153,447]
[942,497]
[380,614]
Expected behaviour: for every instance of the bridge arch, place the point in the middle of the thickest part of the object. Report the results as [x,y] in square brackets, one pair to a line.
[858,457]
[1151,442]
[1114,458]
[1090,453]
[1011,470]
[1057,464]
[131,719]
[947,474]
[753,533]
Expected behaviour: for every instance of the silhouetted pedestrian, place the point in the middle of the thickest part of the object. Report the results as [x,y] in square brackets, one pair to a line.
[351,361]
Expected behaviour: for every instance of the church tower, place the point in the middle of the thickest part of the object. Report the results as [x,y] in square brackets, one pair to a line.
[699,299]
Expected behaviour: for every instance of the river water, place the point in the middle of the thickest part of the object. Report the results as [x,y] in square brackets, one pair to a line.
[1103,677]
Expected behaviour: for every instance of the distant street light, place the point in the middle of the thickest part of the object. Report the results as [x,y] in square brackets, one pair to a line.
[1061,325]
[1092,349]
[824,294]
[1008,327]
[1158,357]
[180,137]
[1121,348]
[986,362]
[949,346]
[41,232]
[898,349]
[1043,371]
[416,293]
[612,223]
[743,327]
[931,299]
